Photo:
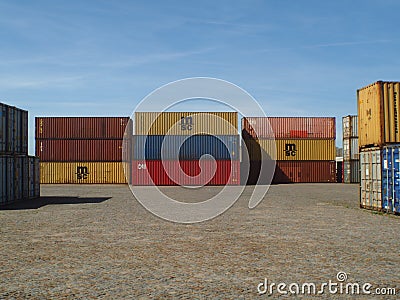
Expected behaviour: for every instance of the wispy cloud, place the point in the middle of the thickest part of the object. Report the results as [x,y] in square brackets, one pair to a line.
[326,45]
[14,82]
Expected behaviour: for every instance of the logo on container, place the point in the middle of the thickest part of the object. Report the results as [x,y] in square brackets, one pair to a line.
[187,123]
[141,167]
[82,172]
[290,149]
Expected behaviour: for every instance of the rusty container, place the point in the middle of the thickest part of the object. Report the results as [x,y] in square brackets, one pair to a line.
[289,127]
[79,150]
[82,127]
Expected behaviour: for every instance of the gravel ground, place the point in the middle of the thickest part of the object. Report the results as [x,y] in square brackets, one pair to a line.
[90,242]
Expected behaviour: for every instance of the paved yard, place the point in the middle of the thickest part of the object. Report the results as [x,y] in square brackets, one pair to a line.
[96,241]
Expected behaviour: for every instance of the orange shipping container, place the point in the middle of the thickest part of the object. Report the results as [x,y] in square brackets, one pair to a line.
[378,114]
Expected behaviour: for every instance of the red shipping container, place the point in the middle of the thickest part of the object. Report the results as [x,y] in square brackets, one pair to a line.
[82,127]
[289,127]
[146,172]
[295,171]
[79,150]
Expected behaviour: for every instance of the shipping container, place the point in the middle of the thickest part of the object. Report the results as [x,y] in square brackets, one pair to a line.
[351,171]
[82,172]
[3,128]
[350,127]
[82,127]
[13,130]
[289,127]
[186,172]
[79,150]
[291,149]
[378,111]
[350,149]
[186,123]
[391,179]
[293,172]
[34,177]
[3,179]
[221,147]
[371,178]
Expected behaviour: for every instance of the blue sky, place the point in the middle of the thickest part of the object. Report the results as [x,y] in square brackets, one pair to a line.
[297,58]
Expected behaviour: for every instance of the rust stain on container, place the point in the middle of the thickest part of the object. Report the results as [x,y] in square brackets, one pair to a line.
[289,127]
[79,150]
[82,127]
[186,123]
[82,172]
[291,149]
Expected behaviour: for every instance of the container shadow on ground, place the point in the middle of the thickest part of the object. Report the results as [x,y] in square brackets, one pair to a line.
[51,200]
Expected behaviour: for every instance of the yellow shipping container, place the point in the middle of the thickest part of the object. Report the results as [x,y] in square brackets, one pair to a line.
[378,111]
[186,123]
[82,172]
[292,149]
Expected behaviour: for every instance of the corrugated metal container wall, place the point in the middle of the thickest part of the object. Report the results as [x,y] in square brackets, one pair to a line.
[289,127]
[3,128]
[25,177]
[24,134]
[79,150]
[37,177]
[378,111]
[350,127]
[82,172]
[371,179]
[391,178]
[186,123]
[3,179]
[292,149]
[13,130]
[152,172]
[350,149]
[18,164]
[220,147]
[295,171]
[34,177]
[82,127]
[351,171]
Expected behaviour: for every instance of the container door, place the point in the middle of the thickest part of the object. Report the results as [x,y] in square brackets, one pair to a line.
[395,205]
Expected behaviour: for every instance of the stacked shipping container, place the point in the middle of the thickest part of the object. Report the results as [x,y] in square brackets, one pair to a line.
[19,174]
[81,149]
[351,160]
[379,142]
[186,148]
[305,148]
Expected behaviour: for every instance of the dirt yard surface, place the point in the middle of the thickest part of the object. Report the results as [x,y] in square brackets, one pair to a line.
[97,241]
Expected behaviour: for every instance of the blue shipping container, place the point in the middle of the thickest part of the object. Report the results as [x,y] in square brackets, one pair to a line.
[220,147]
[13,130]
[391,178]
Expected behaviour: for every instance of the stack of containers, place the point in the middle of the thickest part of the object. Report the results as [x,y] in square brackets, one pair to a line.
[379,142]
[19,173]
[305,147]
[170,148]
[351,160]
[81,149]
